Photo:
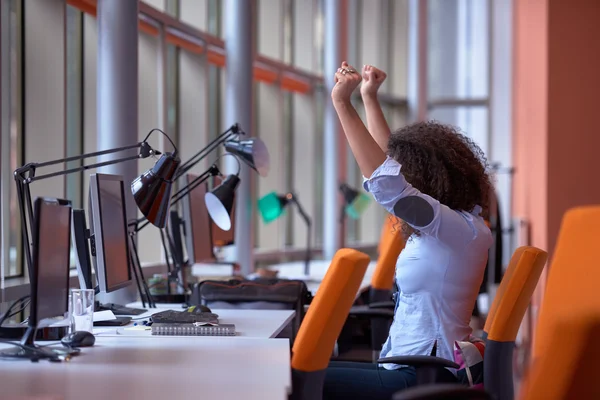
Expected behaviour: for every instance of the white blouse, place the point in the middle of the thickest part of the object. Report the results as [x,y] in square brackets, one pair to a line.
[438,273]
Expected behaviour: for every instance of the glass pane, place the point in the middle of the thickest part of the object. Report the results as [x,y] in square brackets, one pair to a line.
[472,121]
[172,7]
[214,17]
[12,141]
[458,48]
[319,36]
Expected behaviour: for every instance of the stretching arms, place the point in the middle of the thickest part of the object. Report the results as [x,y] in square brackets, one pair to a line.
[376,123]
[368,153]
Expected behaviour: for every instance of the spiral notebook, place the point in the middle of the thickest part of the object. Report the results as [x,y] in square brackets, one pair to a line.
[194,329]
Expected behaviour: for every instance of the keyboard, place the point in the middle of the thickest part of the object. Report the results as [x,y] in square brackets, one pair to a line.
[121,310]
[118,321]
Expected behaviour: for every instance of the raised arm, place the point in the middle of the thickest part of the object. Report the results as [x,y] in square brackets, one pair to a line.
[376,123]
[367,152]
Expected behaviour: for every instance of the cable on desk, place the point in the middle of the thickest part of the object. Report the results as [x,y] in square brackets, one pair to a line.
[23,302]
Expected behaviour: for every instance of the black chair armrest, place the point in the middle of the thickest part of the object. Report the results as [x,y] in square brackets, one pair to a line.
[419,361]
[366,311]
[442,392]
[382,304]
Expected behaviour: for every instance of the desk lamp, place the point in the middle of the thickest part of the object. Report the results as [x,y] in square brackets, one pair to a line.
[272,206]
[219,203]
[157,180]
[355,202]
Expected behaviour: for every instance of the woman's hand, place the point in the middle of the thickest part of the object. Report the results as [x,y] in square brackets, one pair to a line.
[372,80]
[346,81]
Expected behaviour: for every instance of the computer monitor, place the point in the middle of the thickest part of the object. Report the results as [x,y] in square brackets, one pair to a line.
[221,238]
[197,224]
[80,236]
[51,258]
[108,232]
[49,277]
[176,227]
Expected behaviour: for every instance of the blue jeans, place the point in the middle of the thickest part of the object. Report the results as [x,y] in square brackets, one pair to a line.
[365,381]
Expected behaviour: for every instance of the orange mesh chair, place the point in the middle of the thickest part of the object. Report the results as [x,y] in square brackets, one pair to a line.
[391,245]
[323,322]
[574,274]
[570,370]
[380,309]
[500,332]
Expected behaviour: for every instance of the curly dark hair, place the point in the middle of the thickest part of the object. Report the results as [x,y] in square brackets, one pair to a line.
[440,161]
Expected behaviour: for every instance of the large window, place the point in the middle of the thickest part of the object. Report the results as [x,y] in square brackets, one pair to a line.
[458,65]
[11,131]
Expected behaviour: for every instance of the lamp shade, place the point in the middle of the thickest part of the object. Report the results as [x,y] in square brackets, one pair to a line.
[152,189]
[219,202]
[356,202]
[271,206]
[252,152]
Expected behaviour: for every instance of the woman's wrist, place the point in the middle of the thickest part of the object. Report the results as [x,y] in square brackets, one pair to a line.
[342,104]
[370,98]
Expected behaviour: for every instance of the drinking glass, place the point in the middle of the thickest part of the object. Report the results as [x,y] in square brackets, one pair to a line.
[81,310]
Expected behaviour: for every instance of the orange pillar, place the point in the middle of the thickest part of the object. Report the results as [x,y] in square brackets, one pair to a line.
[556,105]
[556,134]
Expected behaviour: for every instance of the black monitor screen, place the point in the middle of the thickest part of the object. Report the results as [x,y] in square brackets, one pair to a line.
[51,258]
[114,232]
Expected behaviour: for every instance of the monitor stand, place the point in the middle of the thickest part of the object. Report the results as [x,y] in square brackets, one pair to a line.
[27,349]
[118,309]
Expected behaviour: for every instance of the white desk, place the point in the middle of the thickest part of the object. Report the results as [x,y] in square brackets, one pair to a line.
[317,271]
[129,368]
[248,323]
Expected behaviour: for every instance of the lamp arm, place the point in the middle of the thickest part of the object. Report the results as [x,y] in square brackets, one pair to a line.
[212,171]
[21,172]
[223,137]
[308,222]
[26,174]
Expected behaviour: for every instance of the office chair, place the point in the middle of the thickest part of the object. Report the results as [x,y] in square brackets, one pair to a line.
[568,372]
[500,331]
[323,323]
[574,274]
[571,289]
[380,307]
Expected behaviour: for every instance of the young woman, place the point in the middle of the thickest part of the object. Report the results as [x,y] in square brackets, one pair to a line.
[434,180]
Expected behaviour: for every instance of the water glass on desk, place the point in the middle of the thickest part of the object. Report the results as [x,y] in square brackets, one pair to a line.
[81,310]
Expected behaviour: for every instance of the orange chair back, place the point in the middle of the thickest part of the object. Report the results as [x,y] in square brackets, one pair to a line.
[391,244]
[328,311]
[514,293]
[570,370]
[573,276]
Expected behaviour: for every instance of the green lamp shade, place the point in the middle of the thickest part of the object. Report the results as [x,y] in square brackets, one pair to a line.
[271,207]
[358,206]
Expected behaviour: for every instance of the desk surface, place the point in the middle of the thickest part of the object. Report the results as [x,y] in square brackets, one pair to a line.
[180,368]
[317,271]
[248,323]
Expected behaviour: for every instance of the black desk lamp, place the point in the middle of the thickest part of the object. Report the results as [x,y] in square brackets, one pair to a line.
[251,151]
[272,207]
[159,176]
[219,203]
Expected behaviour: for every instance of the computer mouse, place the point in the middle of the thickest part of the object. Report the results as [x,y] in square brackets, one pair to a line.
[79,339]
[198,309]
